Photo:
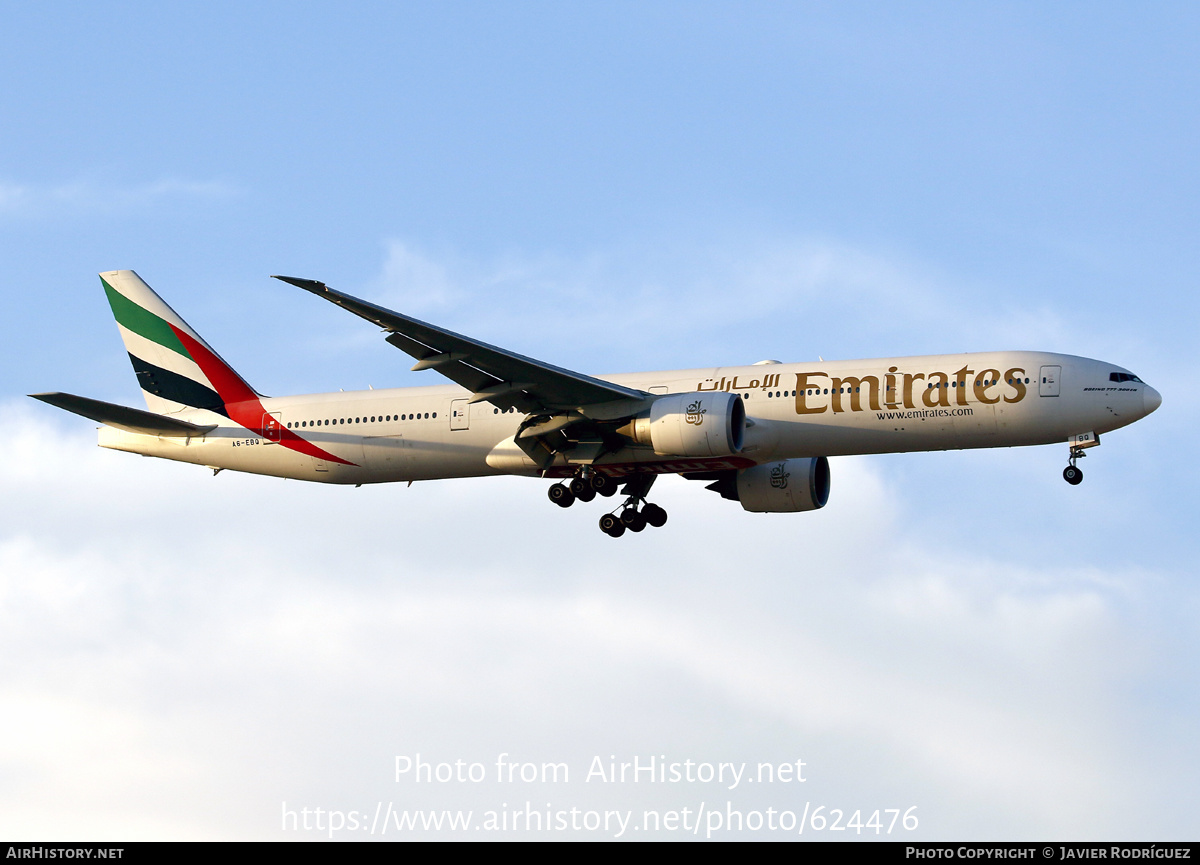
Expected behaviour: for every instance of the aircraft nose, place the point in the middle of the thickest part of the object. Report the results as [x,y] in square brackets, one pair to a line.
[1151,398]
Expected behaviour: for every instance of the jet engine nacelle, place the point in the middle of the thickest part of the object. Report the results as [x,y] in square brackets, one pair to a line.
[785,486]
[705,424]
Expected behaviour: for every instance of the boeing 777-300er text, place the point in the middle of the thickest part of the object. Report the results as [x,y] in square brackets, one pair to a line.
[759,434]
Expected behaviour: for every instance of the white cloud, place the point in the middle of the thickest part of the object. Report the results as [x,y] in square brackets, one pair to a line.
[414,282]
[88,196]
[792,297]
[182,653]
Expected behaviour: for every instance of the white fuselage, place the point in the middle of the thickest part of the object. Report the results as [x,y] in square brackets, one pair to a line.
[890,405]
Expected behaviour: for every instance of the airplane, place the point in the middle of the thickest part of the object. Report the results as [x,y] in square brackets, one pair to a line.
[759,434]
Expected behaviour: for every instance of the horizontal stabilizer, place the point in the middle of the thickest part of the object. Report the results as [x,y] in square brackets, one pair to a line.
[129,419]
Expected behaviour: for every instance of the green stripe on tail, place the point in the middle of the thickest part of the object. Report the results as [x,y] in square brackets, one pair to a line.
[132,317]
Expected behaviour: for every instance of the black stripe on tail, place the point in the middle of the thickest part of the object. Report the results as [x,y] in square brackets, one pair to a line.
[175,387]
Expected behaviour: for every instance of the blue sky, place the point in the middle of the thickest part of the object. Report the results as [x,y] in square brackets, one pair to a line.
[609,187]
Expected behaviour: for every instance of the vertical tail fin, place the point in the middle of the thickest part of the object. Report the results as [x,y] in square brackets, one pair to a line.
[174,366]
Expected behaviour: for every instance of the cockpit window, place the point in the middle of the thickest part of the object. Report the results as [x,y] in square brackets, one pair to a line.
[1122,376]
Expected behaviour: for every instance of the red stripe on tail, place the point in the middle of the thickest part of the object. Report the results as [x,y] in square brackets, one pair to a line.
[242,403]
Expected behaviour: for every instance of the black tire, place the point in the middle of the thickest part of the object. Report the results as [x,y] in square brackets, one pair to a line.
[603,484]
[655,516]
[586,495]
[609,523]
[639,523]
[561,495]
[1073,475]
[579,486]
[629,515]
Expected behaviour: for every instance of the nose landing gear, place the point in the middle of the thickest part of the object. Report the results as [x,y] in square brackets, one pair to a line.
[1073,474]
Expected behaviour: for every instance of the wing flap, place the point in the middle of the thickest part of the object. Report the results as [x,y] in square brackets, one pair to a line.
[122,417]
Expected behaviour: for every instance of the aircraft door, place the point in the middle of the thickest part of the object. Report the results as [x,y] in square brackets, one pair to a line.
[460,414]
[272,426]
[1048,380]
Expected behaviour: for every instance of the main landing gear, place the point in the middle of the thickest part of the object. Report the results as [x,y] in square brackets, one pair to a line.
[1072,474]
[632,519]
[584,487]
[634,514]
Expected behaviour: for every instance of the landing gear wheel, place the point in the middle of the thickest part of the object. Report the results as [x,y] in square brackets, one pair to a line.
[629,515]
[561,495]
[639,523]
[603,484]
[612,526]
[655,516]
[1073,475]
[582,489]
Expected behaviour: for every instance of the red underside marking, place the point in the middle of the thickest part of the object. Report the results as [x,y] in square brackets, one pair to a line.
[242,402]
[667,467]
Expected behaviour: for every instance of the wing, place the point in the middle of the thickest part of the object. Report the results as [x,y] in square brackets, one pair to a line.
[496,375]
